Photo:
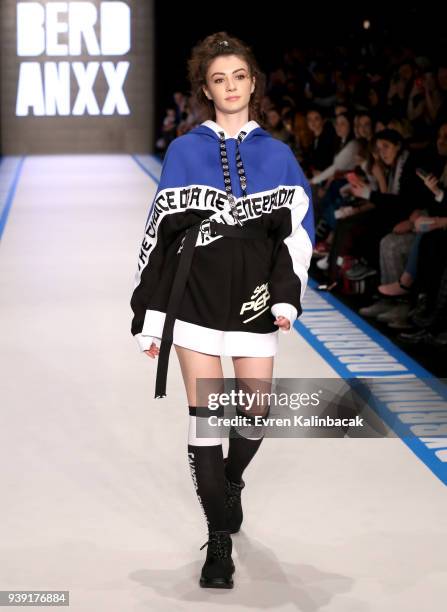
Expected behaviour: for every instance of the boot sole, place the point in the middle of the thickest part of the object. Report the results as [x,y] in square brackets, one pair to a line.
[216,583]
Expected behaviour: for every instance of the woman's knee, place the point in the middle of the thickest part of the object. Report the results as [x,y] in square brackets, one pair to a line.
[253,377]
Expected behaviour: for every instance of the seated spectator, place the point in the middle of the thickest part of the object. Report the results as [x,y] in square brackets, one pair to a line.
[303,137]
[335,204]
[345,157]
[403,126]
[276,127]
[324,142]
[168,131]
[430,321]
[380,125]
[276,85]
[437,102]
[394,281]
[266,104]
[420,102]
[363,125]
[362,226]
[377,105]
[320,89]
[399,89]
[180,102]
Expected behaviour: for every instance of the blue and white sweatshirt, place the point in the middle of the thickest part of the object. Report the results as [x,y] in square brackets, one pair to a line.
[236,287]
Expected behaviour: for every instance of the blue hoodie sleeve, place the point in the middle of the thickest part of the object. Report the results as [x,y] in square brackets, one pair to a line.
[160,230]
[294,238]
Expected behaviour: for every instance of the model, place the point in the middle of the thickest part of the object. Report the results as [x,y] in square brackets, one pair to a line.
[222,268]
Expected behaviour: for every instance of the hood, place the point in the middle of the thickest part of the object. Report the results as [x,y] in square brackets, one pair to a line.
[211,128]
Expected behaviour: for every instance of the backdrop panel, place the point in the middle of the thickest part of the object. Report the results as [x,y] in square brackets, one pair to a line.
[77,77]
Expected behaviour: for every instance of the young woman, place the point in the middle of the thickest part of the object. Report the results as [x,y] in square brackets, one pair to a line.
[222,268]
[348,149]
[324,142]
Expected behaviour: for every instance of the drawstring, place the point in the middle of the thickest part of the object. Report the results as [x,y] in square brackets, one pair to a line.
[226,172]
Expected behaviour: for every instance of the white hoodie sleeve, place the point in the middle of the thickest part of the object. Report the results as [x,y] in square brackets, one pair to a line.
[145,342]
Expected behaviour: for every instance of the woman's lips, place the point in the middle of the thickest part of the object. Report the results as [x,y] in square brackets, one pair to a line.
[232,98]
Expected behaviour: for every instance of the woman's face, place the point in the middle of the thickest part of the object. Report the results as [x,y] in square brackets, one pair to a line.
[364,127]
[315,122]
[228,84]
[342,127]
[388,151]
[273,118]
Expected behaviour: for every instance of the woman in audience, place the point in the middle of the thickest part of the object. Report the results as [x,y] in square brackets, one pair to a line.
[324,143]
[361,227]
[346,155]
[394,281]
[276,127]
[399,250]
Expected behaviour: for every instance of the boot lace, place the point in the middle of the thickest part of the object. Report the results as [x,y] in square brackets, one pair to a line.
[218,542]
[233,493]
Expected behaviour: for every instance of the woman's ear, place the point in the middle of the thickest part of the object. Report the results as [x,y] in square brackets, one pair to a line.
[206,92]
[253,85]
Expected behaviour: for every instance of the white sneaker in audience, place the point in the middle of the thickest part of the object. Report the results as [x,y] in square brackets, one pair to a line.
[398,311]
[375,309]
[323,264]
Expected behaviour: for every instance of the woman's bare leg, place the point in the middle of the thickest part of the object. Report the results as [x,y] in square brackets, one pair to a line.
[253,367]
[253,374]
[196,365]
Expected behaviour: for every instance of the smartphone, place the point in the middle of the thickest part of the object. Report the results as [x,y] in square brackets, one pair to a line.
[360,172]
[422,173]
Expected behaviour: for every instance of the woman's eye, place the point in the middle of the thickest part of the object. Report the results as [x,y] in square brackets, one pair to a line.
[242,76]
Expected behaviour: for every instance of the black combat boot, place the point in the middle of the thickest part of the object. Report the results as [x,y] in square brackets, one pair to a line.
[233,505]
[217,572]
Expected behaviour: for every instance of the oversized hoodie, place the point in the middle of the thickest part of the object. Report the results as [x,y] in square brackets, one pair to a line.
[236,287]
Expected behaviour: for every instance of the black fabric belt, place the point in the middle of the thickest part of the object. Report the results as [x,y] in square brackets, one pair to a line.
[212,228]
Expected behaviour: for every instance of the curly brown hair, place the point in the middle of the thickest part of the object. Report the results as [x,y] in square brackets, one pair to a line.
[203,53]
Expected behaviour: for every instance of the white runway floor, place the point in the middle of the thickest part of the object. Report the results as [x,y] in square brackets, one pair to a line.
[97,497]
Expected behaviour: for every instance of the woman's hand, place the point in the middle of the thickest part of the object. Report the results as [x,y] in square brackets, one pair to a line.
[344,212]
[404,227]
[153,351]
[282,323]
[415,214]
[432,183]
[426,224]
[360,190]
